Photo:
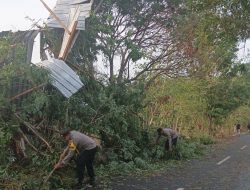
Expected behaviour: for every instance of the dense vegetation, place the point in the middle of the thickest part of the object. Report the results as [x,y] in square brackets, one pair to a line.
[164,64]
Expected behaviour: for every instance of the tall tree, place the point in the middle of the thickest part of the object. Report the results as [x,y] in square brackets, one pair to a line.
[209,33]
[133,38]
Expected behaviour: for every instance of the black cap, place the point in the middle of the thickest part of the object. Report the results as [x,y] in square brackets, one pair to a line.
[65,132]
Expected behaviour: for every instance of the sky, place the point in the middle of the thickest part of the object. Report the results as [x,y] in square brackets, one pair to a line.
[244,51]
[13,13]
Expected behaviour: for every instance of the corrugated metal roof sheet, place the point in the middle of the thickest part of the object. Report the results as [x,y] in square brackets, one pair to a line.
[63,77]
[64,10]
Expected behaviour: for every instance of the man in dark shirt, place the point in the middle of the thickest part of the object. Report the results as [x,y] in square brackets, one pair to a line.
[238,128]
[84,149]
[171,135]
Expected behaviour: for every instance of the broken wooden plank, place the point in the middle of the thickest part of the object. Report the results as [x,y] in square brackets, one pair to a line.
[27,92]
[33,131]
[67,42]
[55,16]
[27,141]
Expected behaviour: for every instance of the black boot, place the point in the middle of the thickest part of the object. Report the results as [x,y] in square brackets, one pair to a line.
[91,182]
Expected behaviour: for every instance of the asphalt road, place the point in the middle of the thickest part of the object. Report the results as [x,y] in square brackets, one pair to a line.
[227,167]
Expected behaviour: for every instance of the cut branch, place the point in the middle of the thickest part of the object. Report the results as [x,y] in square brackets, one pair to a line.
[34,131]
[27,92]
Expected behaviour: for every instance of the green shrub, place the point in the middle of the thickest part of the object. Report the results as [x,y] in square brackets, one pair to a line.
[206,140]
[140,163]
[189,148]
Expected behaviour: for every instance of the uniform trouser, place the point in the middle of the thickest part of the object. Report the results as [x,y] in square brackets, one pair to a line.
[174,143]
[85,159]
[238,130]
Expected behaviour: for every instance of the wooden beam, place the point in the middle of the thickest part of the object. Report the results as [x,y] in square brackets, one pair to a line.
[27,141]
[27,92]
[56,17]
[68,39]
[33,131]
[98,6]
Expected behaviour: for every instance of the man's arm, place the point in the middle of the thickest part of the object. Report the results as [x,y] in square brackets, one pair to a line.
[157,139]
[70,151]
[72,148]
[68,157]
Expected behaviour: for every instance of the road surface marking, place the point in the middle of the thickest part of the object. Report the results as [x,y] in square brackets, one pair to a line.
[180,189]
[224,160]
[243,147]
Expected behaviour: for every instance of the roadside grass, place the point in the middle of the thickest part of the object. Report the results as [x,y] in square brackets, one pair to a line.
[154,162]
[186,149]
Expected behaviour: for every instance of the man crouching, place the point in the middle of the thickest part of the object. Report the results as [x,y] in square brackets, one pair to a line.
[171,135]
[84,149]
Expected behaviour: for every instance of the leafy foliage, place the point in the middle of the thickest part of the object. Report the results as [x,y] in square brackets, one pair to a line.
[161,40]
[178,103]
[225,96]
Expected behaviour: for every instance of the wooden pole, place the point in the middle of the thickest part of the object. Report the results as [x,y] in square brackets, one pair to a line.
[47,178]
[50,174]
[65,50]
[56,17]
[26,92]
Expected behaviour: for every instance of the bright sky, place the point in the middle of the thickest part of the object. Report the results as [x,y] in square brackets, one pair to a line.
[13,13]
[244,51]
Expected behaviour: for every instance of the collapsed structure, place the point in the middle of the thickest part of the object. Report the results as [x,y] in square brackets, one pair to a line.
[70,16]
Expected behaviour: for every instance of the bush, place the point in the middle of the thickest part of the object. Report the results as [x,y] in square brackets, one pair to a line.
[189,148]
[206,140]
[140,163]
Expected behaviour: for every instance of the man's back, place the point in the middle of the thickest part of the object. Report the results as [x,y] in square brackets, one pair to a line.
[82,141]
[169,131]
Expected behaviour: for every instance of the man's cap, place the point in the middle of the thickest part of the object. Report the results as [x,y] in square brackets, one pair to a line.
[65,132]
